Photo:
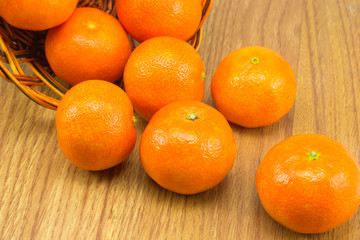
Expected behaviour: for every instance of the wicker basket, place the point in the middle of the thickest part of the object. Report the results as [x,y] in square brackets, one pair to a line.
[21,46]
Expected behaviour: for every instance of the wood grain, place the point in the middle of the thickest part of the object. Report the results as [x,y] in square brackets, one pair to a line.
[42,196]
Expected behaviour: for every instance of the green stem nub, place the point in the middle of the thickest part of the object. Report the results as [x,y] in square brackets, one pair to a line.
[313,156]
[203,76]
[191,117]
[255,60]
[134,121]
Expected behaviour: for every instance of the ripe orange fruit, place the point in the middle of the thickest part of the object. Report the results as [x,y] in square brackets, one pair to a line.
[309,183]
[145,19]
[36,14]
[254,87]
[188,147]
[163,70]
[90,45]
[94,125]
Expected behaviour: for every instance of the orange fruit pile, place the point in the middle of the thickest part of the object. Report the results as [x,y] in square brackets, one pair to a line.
[160,71]
[145,19]
[309,183]
[36,15]
[254,87]
[90,45]
[188,147]
[94,125]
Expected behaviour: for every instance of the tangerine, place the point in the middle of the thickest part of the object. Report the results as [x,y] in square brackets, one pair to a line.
[90,45]
[145,19]
[188,147]
[160,71]
[309,183]
[254,87]
[36,15]
[94,125]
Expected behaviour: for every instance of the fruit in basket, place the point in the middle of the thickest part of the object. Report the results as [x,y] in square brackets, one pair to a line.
[160,71]
[90,45]
[254,87]
[36,14]
[188,147]
[144,19]
[94,125]
[309,183]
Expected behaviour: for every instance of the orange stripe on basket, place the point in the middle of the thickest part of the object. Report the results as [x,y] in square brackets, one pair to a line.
[199,39]
[2,74]
[50,78]
[205,11]
[25,89]
[44,97]
[58,89]
[11,58]
[2,59]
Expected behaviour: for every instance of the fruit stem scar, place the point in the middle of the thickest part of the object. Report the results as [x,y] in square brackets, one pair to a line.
[203,76]
[134,120]
[255,60]
[313,156]
[191,116]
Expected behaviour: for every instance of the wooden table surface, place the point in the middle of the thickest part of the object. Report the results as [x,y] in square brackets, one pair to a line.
[43,196]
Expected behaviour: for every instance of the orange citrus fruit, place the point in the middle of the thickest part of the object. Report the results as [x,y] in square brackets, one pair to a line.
[188,147]
[94,125]
[36,14]
[163,70]
[309,183]
[145,19]
[254,87]
[90,45]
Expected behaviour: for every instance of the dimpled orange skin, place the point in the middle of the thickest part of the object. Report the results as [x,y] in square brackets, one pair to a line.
[309,196]
[160,71]
[254,94]
[36,15]
[144,19]
[187,156]
[94,125]
[90,45]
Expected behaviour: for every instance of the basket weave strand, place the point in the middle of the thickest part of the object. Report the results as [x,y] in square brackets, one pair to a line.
[21,46]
